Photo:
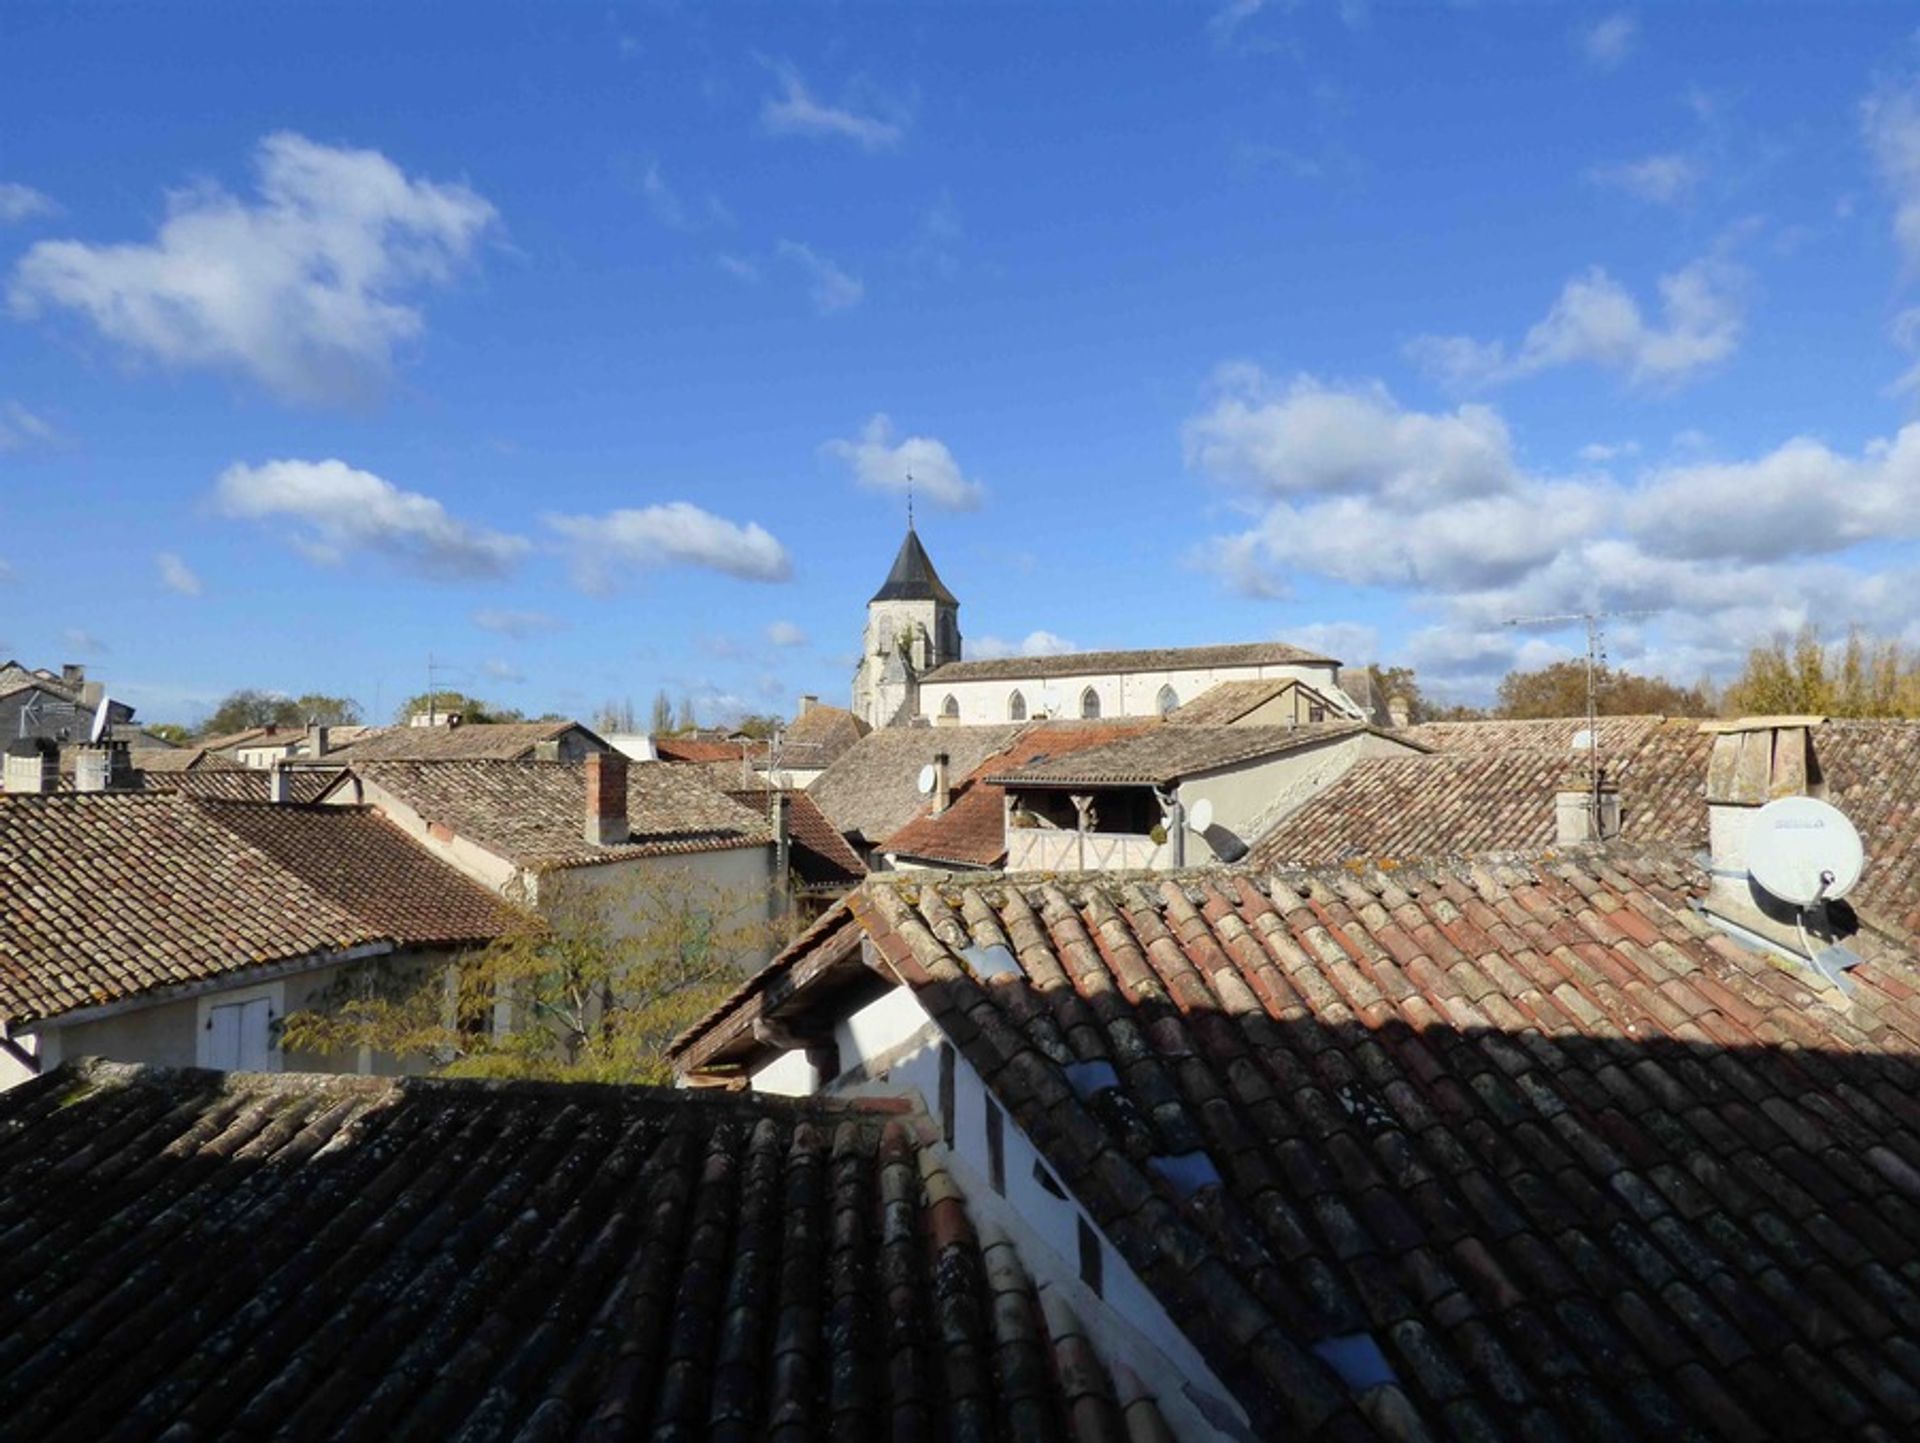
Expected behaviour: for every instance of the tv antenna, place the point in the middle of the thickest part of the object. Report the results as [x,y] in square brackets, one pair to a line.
[1596,663]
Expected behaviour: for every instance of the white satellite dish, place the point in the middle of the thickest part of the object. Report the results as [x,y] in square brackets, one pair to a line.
[100,720]
[1583,740]
[928,776]
[1201,817]
[1803,851]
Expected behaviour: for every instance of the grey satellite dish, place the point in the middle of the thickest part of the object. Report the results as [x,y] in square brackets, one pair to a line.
[1803,851]
[100,720]
[1201,817]
[928,776]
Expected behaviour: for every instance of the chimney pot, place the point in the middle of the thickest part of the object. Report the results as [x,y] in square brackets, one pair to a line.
[607,824]
[1575,810]
[942,789]
[73,673]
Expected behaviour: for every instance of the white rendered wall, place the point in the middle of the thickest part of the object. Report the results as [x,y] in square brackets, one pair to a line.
[1135,693]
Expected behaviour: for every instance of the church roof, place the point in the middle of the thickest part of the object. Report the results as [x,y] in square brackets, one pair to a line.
[913,577]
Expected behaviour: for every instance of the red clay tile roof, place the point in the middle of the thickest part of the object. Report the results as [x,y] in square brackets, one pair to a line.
[697,749]
[870,792]
[195,1254]
[1166,658]
[471,741]
[818,737]
[240,784]
[972,831]
[1225,703]
[1166,754]
[821,855]
[1570,1160]
[107,895]
[533,813]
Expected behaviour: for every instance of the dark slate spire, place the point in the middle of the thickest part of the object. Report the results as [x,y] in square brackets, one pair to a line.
[913,577]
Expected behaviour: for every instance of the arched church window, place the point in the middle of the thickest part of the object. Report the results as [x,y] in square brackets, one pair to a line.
[951,707]
[1090,704]
[1168,700]
[1017,707]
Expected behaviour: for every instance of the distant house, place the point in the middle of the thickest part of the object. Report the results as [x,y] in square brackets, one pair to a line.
[162,928]
[873,788]
[547,834]
[1172,795]
[822,864]
[817,738]
[59,706]
[546,741]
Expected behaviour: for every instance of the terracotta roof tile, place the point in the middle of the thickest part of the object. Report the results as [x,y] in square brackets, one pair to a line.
[1165,754]
[533,812]
[1167,658]
[870,791]
[697,749]
[972,831]
[821,855]
[112,894]
[471,741]
[368,1259]
[1451,1122]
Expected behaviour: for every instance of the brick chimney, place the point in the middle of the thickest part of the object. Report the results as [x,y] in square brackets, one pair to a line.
[942,783]
[1754,760]
[32,765]
[1577,817]
[607,799]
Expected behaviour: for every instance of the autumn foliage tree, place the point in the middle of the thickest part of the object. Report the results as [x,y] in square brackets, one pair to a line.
[1859,677]
[1560,690]
[593,992]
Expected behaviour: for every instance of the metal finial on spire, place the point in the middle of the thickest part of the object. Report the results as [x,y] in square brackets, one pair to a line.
[909,500]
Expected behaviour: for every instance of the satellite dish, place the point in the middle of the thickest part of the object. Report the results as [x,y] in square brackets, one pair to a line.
[1201,817]
[928,776]
[1803,851]
[100,720]
[1583,740]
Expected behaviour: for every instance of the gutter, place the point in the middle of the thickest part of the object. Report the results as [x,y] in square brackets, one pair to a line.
[241,976]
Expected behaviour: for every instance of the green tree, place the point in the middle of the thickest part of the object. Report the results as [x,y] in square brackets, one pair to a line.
[168,732]
[332,711]
[759,726]
[592,993]
[250,707]
[453,703]
[1560,690]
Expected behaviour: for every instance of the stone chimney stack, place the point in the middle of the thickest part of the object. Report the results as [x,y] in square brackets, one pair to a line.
[316,739]
[279,788]
[73,674]
[607,824]
[1577,817]
[942,783]
[1754,761]
[807,704]
[1399,711]
[32,765]
[102,767]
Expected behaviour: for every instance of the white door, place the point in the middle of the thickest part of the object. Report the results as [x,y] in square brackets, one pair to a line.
[238,1036]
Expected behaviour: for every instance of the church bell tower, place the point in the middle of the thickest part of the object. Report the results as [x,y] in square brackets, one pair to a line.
[913,626]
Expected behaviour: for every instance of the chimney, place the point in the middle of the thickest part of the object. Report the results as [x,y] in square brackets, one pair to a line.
[807,704]
[1399,711]
[942,790]
[607,799]
[73,674]
[102,767]
[316,739]
[279,792]
[1754,760]
[32,765]
[1577,815]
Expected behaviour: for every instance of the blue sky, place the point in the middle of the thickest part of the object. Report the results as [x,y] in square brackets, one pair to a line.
[586,347]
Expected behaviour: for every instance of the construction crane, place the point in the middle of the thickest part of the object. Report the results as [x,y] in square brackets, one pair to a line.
[1596,663]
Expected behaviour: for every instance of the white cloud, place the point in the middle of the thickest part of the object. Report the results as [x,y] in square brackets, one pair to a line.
[1890,119]
[1035,643]
[1225,22]
[786,633]
[1596,321]
[503,671]
[1353,643]
[176,575]
[677,533]
[1437,510]
[519,624]
[832,289]
[879,464]
[740,268]
[670,210]
[21,430]
[795,111]
[22,202]
[302,288]
[1600,452]
[84,641]
[339,509]
[1608,42]
[1658,179]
